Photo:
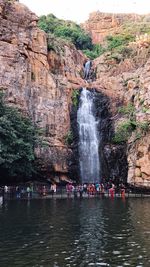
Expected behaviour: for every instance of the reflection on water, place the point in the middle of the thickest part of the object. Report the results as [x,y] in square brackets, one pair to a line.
[81,233]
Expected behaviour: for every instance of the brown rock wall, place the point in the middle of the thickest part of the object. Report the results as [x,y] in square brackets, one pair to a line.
[30,84]
[124,82]
[139,163]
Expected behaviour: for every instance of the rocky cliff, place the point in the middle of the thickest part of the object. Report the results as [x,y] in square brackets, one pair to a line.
[100,25]
[128,81]
[123,75]
[38,77]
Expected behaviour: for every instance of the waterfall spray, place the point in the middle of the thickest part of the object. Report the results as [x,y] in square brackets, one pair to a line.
[88,139]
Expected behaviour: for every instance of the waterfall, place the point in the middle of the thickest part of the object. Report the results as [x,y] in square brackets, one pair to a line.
[88,139]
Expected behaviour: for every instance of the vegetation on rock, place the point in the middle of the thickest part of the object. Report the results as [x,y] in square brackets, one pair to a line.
[116,44]
[96,51]
[127,110]
[69,138]
[17,141]
[118,41]
[75,98]
[67,30]
[124,131]
[71,32]
[129,125]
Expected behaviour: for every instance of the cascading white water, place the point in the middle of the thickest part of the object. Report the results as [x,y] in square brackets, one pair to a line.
[88,139]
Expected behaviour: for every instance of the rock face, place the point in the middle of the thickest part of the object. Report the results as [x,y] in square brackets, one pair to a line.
[39,82]
[139,163]
[139,152]
[100,25]
[127,81]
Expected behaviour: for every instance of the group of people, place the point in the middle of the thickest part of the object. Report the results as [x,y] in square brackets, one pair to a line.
[18,191]
[94,189]
[90,189]
[29,190]
[70,189]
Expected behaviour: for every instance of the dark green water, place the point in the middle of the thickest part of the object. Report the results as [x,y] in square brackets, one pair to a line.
[81,233]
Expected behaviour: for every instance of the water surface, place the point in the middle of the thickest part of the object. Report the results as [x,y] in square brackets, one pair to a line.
[81,233]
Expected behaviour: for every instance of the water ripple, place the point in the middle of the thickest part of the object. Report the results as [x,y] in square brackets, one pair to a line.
[83,233]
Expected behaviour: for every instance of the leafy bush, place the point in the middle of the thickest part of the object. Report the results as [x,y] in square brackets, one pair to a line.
[145,109]
[75,97]
[79,38]
[95,52]
[69,138]
[143,126]
[117,44]
[67,30]
[126,128]
[124,131]
[48,23]
[118,40]
[17,140]
[127,110]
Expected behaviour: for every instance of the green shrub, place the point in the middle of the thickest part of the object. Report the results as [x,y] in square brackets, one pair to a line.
[77,36]
[126,128]
[124,131]
[143,126]
[18,138]
[145,109]
[67,30]
[69,138]
[48,23]
[116,43]
[96,51]
[50,47]
[127,110]
[118,40]
[75,97]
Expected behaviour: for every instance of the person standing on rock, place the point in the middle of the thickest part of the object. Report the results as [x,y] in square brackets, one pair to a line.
[87,67]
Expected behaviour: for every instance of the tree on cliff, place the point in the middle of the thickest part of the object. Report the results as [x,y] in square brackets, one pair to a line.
[17,141]
[66,30]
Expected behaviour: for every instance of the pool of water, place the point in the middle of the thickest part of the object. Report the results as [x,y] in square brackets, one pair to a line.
[81,233]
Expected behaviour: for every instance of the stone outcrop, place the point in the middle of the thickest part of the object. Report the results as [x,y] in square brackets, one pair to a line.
[139,162]
[99,25]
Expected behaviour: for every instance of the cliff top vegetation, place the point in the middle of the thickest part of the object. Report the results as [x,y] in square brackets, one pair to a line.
[67,30]
[117,43]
